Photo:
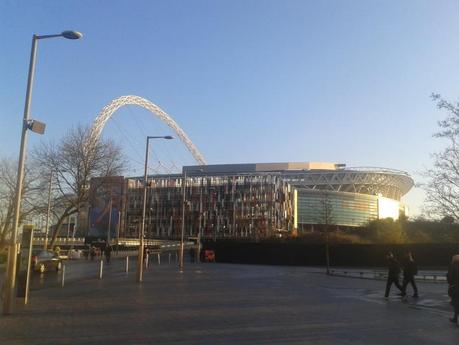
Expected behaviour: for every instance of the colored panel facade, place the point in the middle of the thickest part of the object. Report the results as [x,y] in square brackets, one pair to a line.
[215,206]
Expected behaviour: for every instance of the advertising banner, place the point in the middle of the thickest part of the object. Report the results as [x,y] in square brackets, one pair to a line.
[105,205]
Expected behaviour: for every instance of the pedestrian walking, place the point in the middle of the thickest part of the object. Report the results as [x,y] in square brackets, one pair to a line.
[393,274]
[146,256]
[192,255]
[108,253]
[92,253]
[453,286]
[410,269]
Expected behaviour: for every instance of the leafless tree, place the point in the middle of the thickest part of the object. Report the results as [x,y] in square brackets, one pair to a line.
[326,218]
[74,160]
[442,187]
[30,196]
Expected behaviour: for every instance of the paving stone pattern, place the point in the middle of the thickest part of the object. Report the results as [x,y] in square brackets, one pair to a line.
[227,304]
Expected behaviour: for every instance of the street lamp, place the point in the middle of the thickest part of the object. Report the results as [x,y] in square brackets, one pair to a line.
[38,127]
[142,225]
[71,35]
[184,204]
[182,236]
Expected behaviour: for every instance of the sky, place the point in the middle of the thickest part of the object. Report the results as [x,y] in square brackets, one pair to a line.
[247,80]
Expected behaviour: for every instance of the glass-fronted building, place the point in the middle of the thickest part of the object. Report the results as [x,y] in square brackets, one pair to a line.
[344,209]
[340,208]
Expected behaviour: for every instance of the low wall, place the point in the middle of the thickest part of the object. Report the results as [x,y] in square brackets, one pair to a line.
[346,255]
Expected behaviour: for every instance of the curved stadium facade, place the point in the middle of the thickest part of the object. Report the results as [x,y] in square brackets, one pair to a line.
[258,200]
[347,196]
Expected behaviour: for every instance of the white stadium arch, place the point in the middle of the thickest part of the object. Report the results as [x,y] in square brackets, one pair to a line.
[107,112]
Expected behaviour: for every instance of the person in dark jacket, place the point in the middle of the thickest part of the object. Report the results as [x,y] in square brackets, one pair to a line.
[393,274]
[453,286]
[108,253]
[146,256]
[410,269]
[92,253]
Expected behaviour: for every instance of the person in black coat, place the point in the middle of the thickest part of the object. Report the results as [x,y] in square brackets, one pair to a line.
[393,274]
[108,253]
[410,269]
[92,253]
[453,286]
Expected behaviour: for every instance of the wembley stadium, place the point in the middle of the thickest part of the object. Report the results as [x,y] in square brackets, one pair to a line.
[238,200]
[249,200]
[354,196]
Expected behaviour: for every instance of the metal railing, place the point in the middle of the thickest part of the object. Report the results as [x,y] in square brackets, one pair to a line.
[60,240]
[126,242]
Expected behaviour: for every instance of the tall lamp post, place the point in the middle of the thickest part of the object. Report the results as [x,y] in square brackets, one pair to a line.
[182,232]
[38,127]
[142,225]
[184,204]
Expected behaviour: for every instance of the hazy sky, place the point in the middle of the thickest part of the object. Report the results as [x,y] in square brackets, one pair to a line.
[249,81]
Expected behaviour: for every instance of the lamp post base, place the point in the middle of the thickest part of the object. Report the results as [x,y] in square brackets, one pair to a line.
[9,290]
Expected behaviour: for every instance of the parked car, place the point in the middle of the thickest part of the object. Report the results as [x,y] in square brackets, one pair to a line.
[44,260]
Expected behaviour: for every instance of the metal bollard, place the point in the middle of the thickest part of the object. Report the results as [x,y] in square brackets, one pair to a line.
[127,264]
[101,269]
[63,275]
[159,259]
[170,258]
[147,260]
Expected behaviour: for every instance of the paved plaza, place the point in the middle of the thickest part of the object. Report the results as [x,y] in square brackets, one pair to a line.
[225,304]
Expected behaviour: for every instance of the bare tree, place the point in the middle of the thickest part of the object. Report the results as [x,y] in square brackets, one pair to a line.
[74,160]
[30,196]
[326,218]
[442,187]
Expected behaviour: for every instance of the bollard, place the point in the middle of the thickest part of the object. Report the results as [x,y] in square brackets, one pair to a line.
[147,260]
[159,259]
[127,264]
[101,269]
[170,258]
[63,275]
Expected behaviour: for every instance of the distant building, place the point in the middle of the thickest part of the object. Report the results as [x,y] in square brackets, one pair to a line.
[252,200]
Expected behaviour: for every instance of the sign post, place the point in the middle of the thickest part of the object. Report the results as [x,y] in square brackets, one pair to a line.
[25,261]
